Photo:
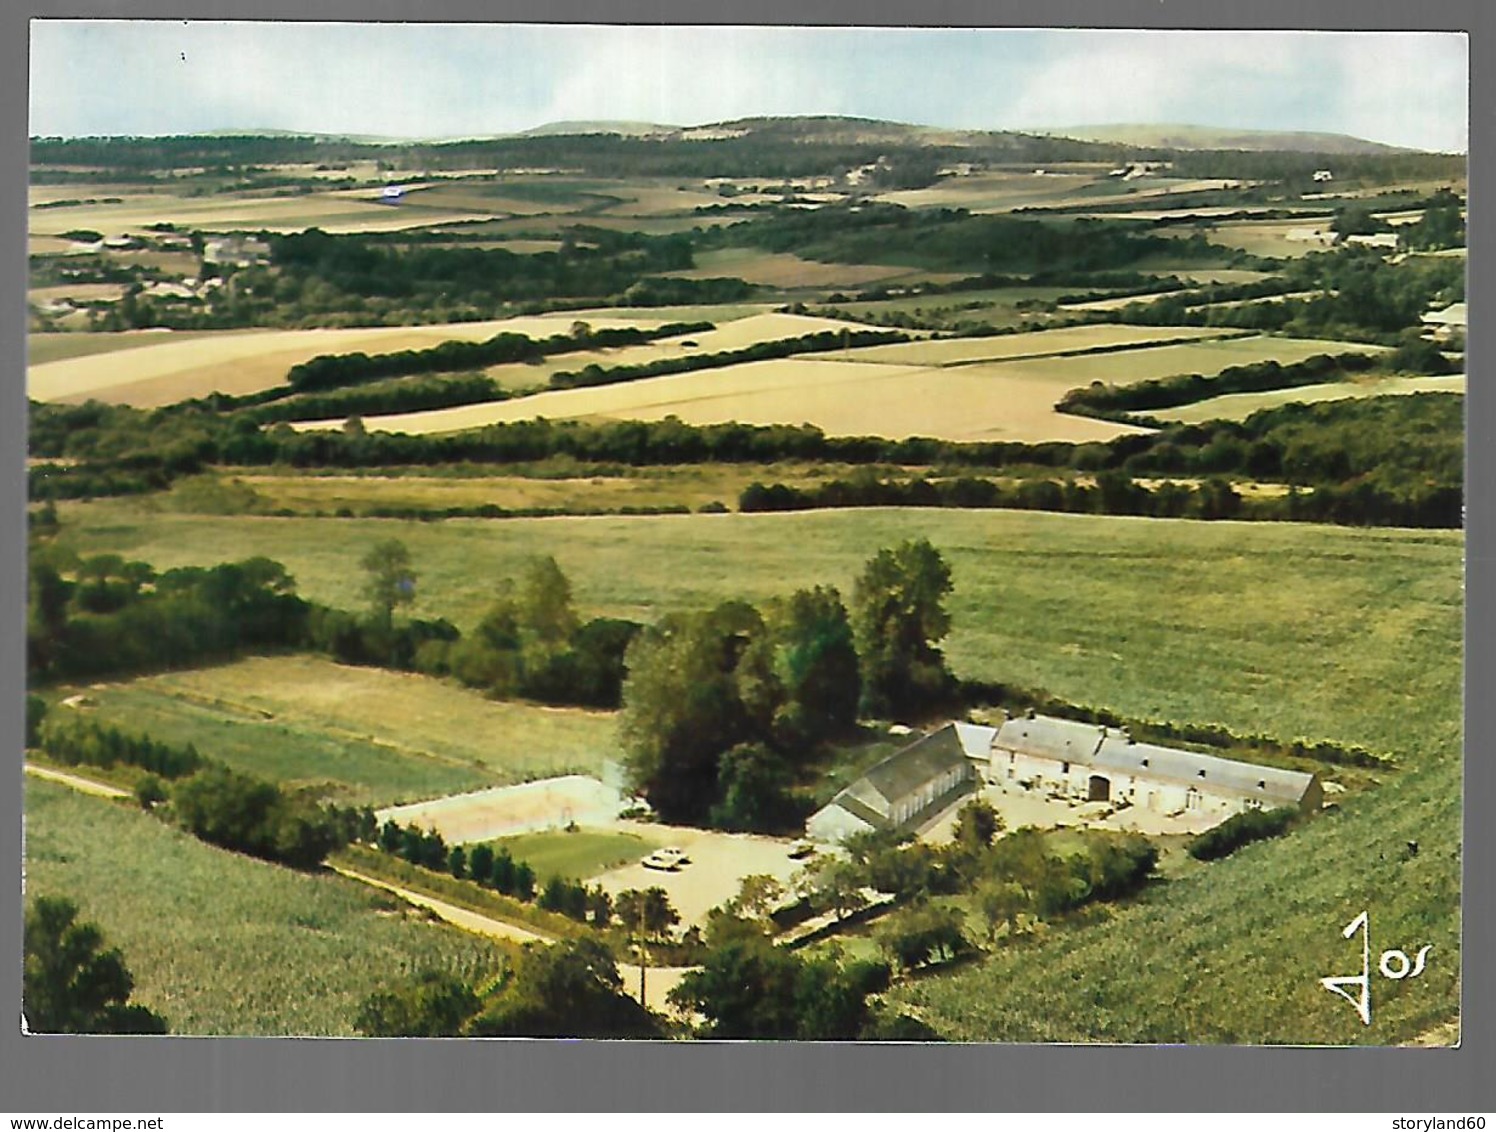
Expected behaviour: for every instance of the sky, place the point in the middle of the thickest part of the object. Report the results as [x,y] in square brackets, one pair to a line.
[446,80]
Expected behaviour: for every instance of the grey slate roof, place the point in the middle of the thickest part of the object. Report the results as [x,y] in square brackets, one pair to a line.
[1208,772]
[871,797]
[976,739]
[1046,737]
[905,771]
[850,803]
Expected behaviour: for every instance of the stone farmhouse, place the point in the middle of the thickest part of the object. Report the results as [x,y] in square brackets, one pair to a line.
[1061,758]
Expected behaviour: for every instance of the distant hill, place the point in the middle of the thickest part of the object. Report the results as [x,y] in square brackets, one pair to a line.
[622,129]
[1215,137]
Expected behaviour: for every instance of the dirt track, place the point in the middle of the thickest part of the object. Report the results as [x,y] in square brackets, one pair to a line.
[458,917]
[82,785]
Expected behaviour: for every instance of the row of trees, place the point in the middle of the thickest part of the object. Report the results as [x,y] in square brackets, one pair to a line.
[144,448]
[819,342]
[721,708]
[333,371]
[955,240]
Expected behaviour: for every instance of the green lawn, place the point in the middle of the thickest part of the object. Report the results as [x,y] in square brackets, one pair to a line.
[576,856]
[221,943]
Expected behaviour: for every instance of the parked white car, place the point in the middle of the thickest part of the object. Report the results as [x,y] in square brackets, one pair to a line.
[668,859]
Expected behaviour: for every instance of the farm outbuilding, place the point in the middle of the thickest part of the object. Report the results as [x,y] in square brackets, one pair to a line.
[914,783]
[1093,763]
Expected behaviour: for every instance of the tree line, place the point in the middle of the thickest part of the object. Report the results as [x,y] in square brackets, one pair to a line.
[331,371]
[818,342]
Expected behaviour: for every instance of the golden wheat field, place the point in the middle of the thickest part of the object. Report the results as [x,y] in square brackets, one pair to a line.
[734,334]
[148,370]
[844,398]
[1038,343]
[339,211]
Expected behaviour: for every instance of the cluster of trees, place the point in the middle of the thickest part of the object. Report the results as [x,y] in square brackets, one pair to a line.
[367,279]
[116,616]
[748,988]
[76,741]
[1358,296]
[955,240]
[1442,225]
[333,371]
[249,815]
[481,865]
[1116,402]
[408,395]
[531,643]
[1242,829]
[1015,881]
[722,707]
[818,342]
[569,989]
[72,983]
[1114,493]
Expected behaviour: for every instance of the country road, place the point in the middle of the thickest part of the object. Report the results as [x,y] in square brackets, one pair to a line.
[459,917]
[83,785]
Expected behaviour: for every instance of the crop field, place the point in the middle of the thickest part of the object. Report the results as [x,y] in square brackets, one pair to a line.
[1240,406]
[1206,357]
[50,347]
[1040,599]
[337,211]
[149,370]
[868,392]
[1035,344]
[1120,301]
[220,943]
[780,269]
[369,735]
[729,334]
[844,398]
[83,292]
[1268,237]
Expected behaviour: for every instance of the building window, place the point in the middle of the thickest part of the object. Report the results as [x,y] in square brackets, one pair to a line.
[1065,768]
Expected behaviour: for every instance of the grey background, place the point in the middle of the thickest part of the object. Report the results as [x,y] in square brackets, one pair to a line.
[81,1075]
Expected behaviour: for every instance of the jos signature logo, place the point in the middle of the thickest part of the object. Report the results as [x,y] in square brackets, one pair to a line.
[1394,964]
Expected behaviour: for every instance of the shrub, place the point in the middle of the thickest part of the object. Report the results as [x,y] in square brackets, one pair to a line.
[1242,829]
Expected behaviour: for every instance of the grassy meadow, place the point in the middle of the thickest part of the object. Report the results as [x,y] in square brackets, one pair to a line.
[1238,623]
[220,943]
[362,736]
[606,488]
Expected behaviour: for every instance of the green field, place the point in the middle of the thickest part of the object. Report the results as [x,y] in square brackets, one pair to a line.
[690,485]
[577,855]
[1101,609]
[220,943]
[1233,952]
[1240,406]
[363,735]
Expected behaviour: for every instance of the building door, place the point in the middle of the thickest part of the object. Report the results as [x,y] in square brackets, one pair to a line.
[1101,789]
